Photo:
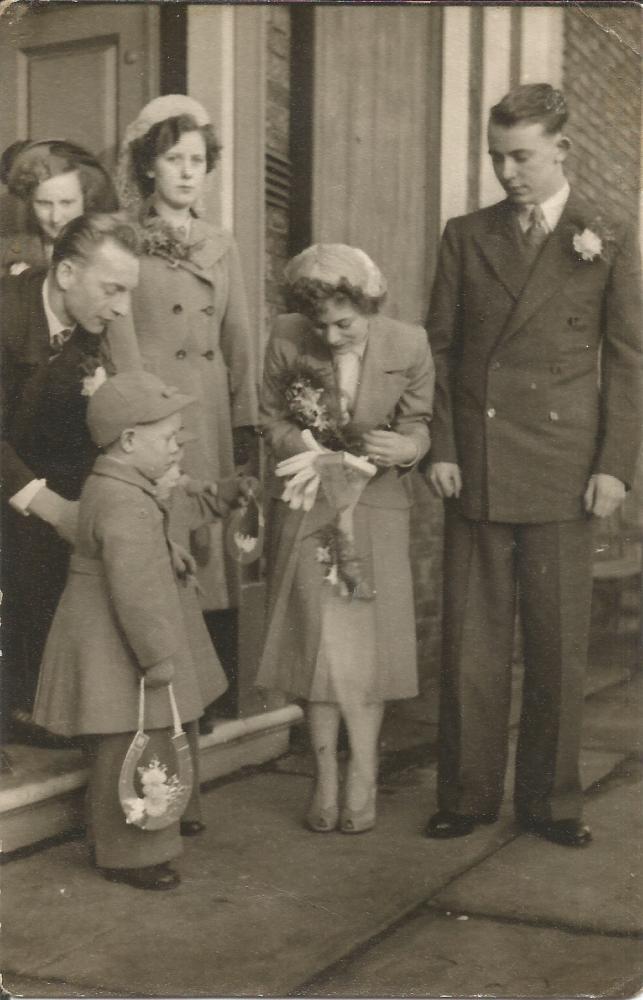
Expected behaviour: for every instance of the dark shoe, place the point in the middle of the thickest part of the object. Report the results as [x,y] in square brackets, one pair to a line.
[22,729]
[568,832]
[156,877]
[191,827]
[445,824]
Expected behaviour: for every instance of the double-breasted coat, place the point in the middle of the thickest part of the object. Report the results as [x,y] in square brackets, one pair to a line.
[44,436]
[121,613]
[191,324]
[537,388]
[537,372]
[395,391]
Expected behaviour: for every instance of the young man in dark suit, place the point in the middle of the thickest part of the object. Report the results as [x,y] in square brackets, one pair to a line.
[55,349]
[534,326]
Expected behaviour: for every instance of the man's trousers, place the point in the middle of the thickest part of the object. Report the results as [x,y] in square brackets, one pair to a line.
[488,567]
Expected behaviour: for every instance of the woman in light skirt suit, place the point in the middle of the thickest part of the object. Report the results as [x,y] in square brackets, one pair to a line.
[341,628]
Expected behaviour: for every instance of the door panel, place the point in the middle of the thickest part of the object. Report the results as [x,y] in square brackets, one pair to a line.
[79,72]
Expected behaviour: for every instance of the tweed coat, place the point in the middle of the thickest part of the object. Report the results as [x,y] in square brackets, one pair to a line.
[537,372]
[191,323]
[44,435]
[396,390]
[121,613]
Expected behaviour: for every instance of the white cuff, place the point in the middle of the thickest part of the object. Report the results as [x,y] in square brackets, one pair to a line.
[20,501]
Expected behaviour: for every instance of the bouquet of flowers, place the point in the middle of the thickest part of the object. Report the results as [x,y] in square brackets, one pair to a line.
[331,460]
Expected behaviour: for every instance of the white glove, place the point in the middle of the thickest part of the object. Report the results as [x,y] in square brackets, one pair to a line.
[301,489]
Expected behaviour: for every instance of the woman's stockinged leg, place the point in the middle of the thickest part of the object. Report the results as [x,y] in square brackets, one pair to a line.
[363,722]
[323,724]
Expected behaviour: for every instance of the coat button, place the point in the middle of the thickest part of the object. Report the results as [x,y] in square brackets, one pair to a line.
[491,412]
[180,354]
[209,355]
[553,416]
[209,310]
[555,369]
[533,385]
[178,308]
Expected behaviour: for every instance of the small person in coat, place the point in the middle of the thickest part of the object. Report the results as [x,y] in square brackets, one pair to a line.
[341,627]
[123,615]
[535,328]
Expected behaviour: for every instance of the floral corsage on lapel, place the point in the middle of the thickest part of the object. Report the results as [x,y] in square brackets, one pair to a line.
[591,243]
[94,368]
[332,461]
[159,239]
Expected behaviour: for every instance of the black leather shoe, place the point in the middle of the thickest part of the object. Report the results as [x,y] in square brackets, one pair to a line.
[445,824]
[191,827]
[568,832]
[156,877]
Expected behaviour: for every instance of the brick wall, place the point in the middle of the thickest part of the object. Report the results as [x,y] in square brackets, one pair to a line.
[601,78]
[277,145]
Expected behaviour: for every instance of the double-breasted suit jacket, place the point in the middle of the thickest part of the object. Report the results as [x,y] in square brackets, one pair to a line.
[537,372]
[537,358]
[44,436]
[190,320]
[395,391]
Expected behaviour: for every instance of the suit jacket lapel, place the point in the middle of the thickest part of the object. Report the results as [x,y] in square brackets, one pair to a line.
[551,269]
[35,348]
[378,390]
[499,246]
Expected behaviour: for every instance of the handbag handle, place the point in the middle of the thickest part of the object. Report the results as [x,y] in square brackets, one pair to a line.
[176,720]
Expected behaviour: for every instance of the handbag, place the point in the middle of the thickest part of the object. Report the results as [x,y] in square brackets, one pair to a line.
[165,796]
[244,532]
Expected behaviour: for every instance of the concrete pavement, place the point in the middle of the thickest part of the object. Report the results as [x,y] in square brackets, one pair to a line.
[267,908]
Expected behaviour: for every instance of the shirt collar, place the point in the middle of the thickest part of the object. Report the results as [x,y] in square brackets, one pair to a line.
[552,209]
[53,323]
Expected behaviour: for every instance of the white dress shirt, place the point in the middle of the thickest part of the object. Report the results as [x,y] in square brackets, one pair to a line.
[552,209]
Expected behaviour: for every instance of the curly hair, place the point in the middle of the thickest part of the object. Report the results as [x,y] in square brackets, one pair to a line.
[532,102]
[25,165]
[160,138]
[309,296]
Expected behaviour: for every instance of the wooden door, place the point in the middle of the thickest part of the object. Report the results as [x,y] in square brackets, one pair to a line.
[76,71]
[376,141]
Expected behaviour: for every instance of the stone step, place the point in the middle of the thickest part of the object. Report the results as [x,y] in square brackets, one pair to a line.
[42,796]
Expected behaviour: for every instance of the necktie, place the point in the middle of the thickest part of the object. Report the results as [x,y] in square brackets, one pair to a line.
[57,342]
[347,368]
[536,232]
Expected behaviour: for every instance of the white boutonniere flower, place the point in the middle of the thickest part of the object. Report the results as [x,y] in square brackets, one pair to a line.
[92,382]
[18,267]
[588,245]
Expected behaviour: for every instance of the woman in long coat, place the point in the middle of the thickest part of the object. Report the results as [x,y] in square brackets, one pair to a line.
[341,629]
[189,311]
[57,181]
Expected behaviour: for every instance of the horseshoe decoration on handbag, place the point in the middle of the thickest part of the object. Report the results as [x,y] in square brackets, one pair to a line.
[164,796]
[244,533]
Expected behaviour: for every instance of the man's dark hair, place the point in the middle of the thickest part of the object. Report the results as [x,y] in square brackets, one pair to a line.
[82,237]
[532,102]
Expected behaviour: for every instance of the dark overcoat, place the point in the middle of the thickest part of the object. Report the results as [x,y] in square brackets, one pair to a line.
[44,436]
[395,390]
[121,613]
[537,372]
